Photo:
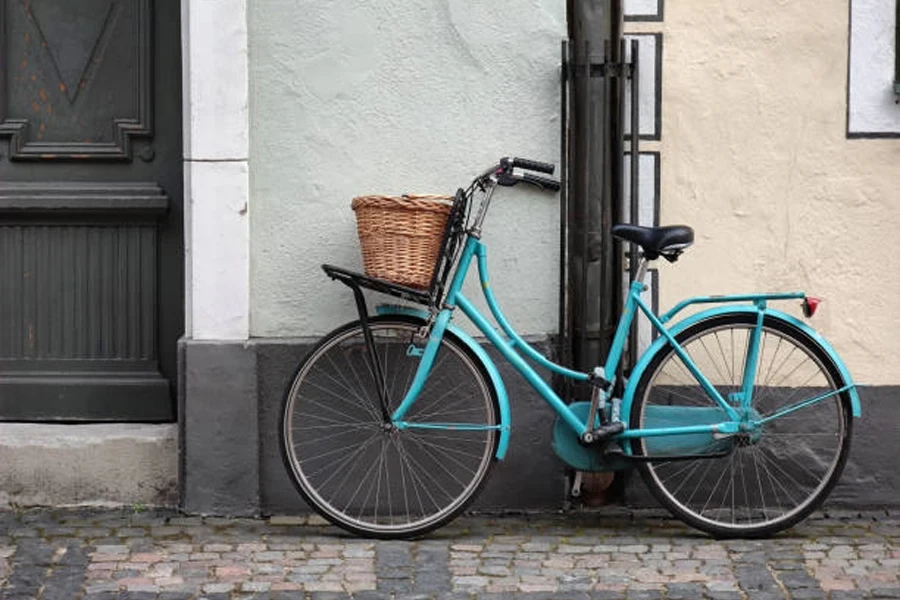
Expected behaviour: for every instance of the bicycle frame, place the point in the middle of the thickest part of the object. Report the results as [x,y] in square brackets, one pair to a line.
[513,347]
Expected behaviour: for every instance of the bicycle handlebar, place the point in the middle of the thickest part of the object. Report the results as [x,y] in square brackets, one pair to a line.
[531,165]
[545,183]
[502,174]
[511,179]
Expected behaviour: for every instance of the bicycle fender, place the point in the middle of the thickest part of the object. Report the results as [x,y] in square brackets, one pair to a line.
[489,366]
[660,342]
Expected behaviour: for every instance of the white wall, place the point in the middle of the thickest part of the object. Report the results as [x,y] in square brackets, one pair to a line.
[386,96]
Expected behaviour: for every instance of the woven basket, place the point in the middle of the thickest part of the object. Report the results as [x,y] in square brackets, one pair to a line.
[401,236]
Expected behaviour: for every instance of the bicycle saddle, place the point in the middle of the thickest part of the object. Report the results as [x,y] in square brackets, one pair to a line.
[668,242]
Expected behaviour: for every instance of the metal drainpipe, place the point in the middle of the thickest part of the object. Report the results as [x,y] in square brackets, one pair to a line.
[594,182]
[594,168]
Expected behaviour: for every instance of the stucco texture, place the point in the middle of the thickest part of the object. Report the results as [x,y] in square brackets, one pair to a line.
[356,97]
[756,158]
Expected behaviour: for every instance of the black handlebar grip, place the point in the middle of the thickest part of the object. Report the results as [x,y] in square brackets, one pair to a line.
[542,182]
[534,165]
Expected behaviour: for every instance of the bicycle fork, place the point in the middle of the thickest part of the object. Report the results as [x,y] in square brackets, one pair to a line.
[436,326]
[425,363]
[374,362]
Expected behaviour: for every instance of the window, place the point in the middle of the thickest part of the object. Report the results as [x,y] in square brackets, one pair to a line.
[897,50]
[874,79]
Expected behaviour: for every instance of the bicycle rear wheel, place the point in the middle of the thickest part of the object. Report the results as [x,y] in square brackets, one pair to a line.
[764,480]
[368,477]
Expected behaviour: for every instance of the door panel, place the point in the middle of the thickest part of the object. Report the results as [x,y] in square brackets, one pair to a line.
[91,251]
[78,78]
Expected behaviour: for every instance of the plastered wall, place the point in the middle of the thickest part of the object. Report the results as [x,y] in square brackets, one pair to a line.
[755,156]
[385,96]
[356,97]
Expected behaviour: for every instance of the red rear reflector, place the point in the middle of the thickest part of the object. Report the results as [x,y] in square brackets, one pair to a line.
[810,305]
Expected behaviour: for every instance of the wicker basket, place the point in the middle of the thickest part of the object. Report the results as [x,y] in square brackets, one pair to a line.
[401,236]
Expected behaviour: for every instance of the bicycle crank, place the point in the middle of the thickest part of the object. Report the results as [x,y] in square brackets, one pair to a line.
[602,433]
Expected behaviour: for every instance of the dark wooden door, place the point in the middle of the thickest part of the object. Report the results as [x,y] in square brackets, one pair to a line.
[91,250]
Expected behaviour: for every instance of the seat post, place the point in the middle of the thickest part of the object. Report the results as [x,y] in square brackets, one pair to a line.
[642,268]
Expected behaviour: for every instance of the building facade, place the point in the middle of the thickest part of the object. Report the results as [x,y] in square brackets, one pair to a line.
[770,128]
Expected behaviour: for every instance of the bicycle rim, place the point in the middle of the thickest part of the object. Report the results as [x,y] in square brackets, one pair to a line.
[371,479]
[764,480]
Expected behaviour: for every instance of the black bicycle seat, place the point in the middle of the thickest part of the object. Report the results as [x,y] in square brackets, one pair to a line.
[667,242]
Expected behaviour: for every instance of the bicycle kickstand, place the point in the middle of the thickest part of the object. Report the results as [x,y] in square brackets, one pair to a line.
[575,490]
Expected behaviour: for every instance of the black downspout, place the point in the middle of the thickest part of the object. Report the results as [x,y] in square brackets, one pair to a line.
[593,141]
[594,166]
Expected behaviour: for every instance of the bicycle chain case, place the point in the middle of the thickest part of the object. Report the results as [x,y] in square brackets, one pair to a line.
[568,447]
[594,458]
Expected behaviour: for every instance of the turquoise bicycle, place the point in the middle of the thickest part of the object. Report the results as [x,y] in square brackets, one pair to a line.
[738,417]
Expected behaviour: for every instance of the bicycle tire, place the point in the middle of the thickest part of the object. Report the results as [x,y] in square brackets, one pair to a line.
[782,472]
[435,473]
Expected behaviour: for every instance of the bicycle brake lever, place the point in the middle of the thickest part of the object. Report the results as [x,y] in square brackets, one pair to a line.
[507,179]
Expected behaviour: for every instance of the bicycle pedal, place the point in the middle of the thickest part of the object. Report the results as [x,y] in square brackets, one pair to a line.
[603,433]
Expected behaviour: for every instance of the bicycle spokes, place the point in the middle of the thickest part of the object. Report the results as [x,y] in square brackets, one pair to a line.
[781,464]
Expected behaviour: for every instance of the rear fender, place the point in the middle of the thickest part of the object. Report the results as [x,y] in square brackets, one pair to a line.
[660,343]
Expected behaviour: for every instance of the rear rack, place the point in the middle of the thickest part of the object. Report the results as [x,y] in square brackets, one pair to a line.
[358,280]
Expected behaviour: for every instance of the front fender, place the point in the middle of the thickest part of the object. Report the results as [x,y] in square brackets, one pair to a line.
[489,366]
[660,342]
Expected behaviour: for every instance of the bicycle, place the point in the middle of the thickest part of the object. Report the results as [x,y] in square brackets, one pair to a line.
[738,417]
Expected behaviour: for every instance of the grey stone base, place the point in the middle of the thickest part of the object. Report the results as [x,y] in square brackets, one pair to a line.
[219,428]
[871,477]
[530,476]
[104,464]
[231,461]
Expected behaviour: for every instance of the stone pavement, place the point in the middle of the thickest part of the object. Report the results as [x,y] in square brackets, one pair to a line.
[154,555]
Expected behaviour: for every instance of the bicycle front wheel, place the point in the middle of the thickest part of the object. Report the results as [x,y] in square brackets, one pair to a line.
[371,478]
[760,481]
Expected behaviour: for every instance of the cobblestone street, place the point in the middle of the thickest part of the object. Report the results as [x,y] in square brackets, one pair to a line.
[107,554]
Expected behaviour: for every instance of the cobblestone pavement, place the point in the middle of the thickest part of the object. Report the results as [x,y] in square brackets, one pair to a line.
[152,555]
